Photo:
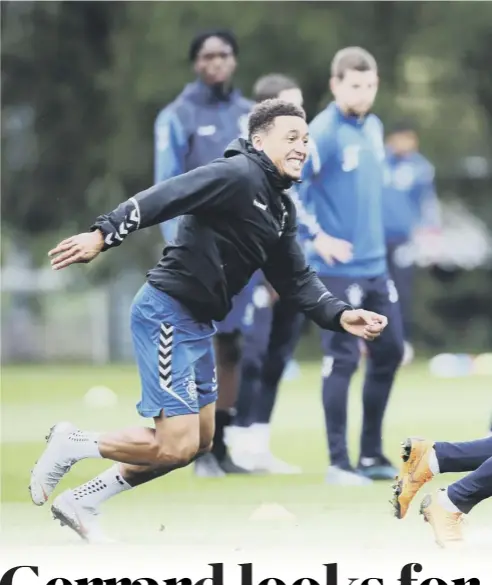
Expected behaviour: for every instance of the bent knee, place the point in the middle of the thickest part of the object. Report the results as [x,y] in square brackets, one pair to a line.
[177,453]
[388,360]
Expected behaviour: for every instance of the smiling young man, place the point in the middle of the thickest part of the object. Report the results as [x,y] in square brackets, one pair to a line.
[343,187]
[190,132]
[237,219]
[268,340]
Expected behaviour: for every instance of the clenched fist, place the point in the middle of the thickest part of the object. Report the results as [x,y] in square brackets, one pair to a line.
[365,324]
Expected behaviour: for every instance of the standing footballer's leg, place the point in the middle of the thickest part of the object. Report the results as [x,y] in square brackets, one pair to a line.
[228,348]
[384,359]
[340,360]
[240,439]
[285,333]
[229,343]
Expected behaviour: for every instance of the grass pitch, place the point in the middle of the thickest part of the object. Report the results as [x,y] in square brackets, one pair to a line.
[183,510]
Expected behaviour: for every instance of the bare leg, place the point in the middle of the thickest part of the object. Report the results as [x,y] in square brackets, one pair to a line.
[138,474]
[174,441]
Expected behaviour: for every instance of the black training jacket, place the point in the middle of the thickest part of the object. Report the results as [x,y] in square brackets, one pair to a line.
[236,218]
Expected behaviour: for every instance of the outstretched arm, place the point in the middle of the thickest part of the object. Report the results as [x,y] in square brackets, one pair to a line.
[204,189]
[292,278]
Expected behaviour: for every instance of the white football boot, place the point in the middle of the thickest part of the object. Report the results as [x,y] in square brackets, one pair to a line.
[83,520]
[54,463]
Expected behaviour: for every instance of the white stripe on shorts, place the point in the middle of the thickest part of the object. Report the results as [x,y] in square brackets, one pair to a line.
[165,361]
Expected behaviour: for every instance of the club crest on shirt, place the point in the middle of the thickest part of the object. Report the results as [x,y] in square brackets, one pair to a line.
[402,177]
[350,160]
[209,130]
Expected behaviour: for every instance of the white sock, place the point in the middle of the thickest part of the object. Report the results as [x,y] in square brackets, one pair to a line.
[106,485]
[84,445]
[433,462]
[261,437]
[446,503]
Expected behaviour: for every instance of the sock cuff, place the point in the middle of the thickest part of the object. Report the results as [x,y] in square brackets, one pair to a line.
[107,484]
[85,444]
[119,477]
[434,462]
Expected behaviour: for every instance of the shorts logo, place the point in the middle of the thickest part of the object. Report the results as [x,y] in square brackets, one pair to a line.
[192,390]
[392,292]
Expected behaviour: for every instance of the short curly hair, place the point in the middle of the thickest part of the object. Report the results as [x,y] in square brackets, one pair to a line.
[263,115]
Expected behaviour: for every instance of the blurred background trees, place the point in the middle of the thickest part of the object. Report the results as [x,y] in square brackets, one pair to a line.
[82,83]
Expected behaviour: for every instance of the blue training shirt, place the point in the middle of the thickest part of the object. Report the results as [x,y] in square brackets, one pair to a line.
[342,187]
[193,130]
[409,197]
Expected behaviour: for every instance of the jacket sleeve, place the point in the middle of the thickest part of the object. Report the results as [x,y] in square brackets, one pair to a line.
[170,146]
[208,188]
[288,273]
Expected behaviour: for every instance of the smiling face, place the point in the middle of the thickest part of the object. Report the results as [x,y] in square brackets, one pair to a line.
[285,142]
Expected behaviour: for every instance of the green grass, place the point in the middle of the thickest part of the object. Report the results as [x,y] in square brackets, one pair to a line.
[204,511]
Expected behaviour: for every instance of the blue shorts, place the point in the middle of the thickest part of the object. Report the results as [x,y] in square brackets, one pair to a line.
[237,318]
[174,355]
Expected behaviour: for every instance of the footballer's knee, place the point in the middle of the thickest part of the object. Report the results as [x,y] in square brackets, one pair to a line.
[389,356]
[177,453]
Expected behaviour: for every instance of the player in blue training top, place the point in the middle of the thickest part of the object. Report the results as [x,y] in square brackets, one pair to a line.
[411,210]
[193,130]
[342,185]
